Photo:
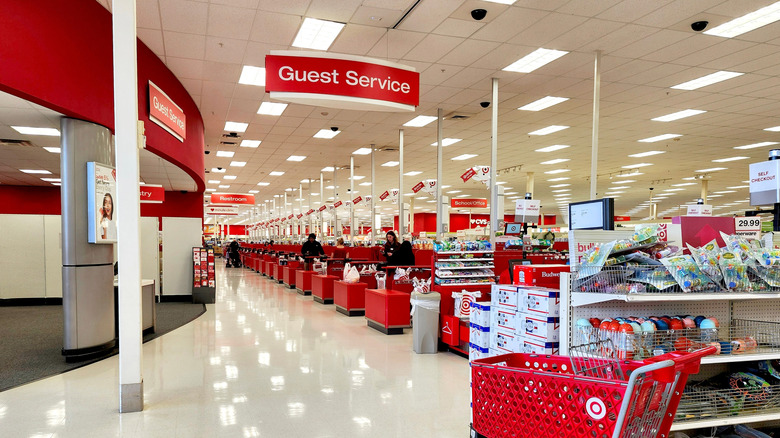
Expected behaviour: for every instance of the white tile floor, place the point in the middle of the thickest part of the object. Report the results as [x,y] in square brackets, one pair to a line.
[263,361]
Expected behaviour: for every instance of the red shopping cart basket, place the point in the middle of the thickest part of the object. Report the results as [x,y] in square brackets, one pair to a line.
[582,395]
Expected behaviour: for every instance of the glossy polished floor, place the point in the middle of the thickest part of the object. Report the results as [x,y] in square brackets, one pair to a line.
[263,361]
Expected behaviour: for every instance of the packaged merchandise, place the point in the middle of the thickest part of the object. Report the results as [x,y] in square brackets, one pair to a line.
[687,274]
[479,335]
[507,297]
[505,342]
[540,327]
[480,314]
[540,301]
[534,346]
[477,352]
[502,319]
[539,275]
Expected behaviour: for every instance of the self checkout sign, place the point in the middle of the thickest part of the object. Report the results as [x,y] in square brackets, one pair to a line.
[748,227]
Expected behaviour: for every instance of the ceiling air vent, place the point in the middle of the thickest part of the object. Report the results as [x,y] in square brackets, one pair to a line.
[10,142]
[231,143]
[231,135]
[458,116]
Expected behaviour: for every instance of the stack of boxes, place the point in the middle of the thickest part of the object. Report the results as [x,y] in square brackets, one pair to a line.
[479,330]
[525,317]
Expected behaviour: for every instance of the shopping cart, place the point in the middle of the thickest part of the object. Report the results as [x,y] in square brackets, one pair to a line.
[578,396]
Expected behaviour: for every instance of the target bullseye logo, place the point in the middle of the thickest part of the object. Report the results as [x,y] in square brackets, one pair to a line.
[465,304]
[595,408]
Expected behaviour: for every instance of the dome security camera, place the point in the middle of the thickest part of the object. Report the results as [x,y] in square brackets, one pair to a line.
[334,128]
[219,168]
[484,104]
[478,14]
[699,26]
[206,152]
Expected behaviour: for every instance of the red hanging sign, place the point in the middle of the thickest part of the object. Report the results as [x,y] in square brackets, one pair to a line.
[164,112]
[337,204]
[232,198]
[152,194]
[323,208]
[467,176]
[418,187]
[356,200]
[384,195]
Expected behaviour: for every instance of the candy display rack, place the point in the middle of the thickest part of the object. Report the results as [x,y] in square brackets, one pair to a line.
[742,314]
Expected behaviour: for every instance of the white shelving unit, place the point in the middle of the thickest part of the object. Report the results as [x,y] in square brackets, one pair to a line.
[452,268]
[724,306]
[482,263]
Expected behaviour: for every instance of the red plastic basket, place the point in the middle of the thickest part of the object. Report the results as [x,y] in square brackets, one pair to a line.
[525,395]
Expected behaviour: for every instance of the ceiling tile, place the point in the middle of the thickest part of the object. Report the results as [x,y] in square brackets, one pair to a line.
[184,16]
[229,22]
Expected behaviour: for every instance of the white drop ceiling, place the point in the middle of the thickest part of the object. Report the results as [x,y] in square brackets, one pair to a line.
[647,48]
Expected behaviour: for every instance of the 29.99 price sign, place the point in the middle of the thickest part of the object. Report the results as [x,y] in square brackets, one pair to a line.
[748,227]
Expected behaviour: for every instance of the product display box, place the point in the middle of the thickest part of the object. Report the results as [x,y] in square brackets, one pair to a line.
[539,275]
[540,327]
[505,320]
[533,346]
[504,297]
[505,342]
[480,314]
[479,335]
[477,352]
[544,302]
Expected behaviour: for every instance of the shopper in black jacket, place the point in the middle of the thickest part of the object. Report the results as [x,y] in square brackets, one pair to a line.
[391,245]
[312,248]
[403,257]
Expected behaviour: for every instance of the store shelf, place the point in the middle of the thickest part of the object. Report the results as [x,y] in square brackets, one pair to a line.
[715,422]
[464,267]
[466,276]
[487,251]
[466,284]
[733,358]
[489,259]
[586,298]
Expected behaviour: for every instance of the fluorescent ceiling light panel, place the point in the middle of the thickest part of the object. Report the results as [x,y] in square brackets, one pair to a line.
[646,154]
[555,147]
[726,160]
[638,165]
[503,2]
[53,150]
[619,187]
[678,115]
[757,145]
[625,181]
[560,185]
[683,184]
[30,130]
[51,179]
[712,169]
[365,183]
[317,34]
[296,158]
[362,151]
[560,190]
[327,169]
[236,126]
[413,173]
[556,161]
[420,121]
[250,143]
[36,171]
[543,103]
[773,129]
[229,177]
[725,191]
[447,141]
[534,60]
[225,154]
[673,190]
[238,163]
[271,108]
[552,172]
[548,130]
[252,76]
[254,191]
[748,22]
[224,187]
[738,187]
[464,157]
[390,164]
[276,173]
[217,170]
[709,79]
[560,178]
[614,193]
[211,190]
[453,192]
[357,177]
[214,181]
[659,138]
[326,133]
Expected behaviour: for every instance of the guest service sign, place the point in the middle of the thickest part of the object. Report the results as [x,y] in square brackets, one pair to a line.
[341,81]
[101,189]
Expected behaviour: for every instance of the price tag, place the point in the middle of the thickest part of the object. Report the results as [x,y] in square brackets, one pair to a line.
[748,227]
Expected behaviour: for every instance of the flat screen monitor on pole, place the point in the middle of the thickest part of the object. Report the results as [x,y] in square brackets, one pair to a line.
[598,214]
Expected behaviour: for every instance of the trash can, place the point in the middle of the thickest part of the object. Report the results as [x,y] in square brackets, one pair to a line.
[425,322]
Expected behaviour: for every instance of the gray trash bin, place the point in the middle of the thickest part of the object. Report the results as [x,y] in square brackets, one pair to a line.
[425,322]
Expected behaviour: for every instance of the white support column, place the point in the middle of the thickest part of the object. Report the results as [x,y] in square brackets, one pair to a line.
[493,163]
[437,197]
[334,213]
[401,221]
[529,184]
[372,211]
[131,391]
[594,151]
[286,213]
[322,202]
[351,194]
[704,188]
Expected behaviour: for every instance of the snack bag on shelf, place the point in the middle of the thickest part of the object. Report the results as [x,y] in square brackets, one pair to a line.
[352,276]
[735,271]
[707,260]
[687,274]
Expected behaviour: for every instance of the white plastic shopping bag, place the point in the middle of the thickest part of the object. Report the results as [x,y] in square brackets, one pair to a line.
[347,266]
[352,276]
[401,274]
[463,300]
[381,279]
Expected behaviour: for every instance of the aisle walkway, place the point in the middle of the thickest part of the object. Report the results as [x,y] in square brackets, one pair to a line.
[262,362]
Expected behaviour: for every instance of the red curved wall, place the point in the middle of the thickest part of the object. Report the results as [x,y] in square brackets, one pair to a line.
[58,54]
